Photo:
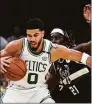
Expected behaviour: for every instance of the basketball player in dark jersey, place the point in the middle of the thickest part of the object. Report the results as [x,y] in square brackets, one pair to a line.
[71,80]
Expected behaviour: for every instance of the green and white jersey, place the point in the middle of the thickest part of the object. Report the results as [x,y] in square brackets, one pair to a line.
[37,64]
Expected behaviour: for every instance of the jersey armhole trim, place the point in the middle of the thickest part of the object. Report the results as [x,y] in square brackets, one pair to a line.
[22,49]
[49,55]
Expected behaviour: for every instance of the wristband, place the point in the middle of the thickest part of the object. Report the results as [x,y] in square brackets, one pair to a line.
[84,58]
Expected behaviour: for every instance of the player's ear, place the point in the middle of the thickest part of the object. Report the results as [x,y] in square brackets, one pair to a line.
[43,32]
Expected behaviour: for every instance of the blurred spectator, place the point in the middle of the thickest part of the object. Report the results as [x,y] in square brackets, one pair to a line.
[3,87]
[3,42]
[16,34]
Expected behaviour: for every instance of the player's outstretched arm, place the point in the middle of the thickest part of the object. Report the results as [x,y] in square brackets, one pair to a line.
[83,47]
[59,51]
[11,49]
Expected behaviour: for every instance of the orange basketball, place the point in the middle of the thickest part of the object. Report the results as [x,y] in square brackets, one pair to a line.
[17,69]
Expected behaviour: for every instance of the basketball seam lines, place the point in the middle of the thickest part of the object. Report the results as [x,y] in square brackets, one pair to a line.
[14,73]
[19,66]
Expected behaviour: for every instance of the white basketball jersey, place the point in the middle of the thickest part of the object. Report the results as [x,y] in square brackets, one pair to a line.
[37,65]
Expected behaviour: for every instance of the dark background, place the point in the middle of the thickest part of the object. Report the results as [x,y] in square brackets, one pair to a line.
[65,14]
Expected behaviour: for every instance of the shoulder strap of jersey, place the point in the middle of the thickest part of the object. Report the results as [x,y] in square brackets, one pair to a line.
[23,46]
[47,45]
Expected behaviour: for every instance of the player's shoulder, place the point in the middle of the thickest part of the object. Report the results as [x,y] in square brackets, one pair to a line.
[47,45]
[47,41]
[15,44]
[54,45]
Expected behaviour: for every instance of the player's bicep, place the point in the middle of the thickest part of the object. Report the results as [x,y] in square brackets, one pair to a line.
[11,49]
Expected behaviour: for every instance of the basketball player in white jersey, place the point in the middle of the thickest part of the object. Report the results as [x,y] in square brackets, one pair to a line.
[38,55]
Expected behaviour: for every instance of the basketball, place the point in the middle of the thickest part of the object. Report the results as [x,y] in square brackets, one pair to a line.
[17,69]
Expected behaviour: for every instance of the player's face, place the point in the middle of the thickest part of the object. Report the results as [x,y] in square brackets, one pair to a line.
[58,39]
[34,37]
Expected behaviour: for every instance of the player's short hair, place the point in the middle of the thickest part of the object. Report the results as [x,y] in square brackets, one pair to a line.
[35,23]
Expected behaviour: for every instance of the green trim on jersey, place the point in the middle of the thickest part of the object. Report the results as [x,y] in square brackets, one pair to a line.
[1,102]
[23,45]
[35,54]
[49,55]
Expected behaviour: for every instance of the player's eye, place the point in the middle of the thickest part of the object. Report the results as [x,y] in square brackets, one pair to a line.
[52,38]
[29,35]
[35,35]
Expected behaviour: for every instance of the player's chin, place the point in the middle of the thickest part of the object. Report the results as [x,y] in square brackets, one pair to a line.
[34,46]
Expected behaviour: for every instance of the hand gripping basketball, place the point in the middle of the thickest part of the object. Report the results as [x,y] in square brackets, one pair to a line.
[16,70]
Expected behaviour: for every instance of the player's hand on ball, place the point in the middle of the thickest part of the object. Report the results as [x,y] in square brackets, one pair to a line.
[4,63]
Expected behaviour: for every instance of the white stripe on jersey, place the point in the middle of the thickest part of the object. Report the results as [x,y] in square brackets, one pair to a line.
[77,75]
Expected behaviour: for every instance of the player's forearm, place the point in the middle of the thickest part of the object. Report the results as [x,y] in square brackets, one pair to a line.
[83,47]
[74,55]
[79,56]
[79,47]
